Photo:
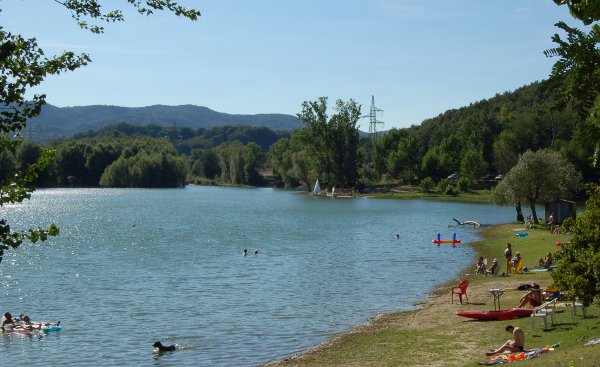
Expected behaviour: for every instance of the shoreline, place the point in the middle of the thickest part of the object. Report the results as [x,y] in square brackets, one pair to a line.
[432,335]
[435,301]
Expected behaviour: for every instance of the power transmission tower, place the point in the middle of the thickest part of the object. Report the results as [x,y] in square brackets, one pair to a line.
[372,134]
[373,121]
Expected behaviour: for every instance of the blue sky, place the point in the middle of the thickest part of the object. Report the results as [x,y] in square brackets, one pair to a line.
[418,58]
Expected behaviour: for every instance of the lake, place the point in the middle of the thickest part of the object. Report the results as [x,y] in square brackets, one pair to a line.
[132,266]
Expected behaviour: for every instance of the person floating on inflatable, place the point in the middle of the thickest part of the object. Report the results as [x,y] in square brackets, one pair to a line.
[439,241]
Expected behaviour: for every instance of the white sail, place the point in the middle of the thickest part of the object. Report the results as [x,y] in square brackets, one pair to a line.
[317,189]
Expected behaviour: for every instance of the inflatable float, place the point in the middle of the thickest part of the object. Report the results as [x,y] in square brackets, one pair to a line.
[508,314]
[33,327]
[452,242]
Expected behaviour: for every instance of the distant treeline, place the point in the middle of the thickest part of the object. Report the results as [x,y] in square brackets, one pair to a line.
[486,137]
[132,156]
[186,139]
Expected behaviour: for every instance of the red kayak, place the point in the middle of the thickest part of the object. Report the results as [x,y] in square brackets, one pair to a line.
[509,314]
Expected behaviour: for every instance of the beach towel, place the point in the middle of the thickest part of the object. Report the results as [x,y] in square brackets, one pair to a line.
[593,342]
[501,358]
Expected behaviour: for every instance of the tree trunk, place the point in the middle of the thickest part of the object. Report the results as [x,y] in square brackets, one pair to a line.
[533,212]
[519,212]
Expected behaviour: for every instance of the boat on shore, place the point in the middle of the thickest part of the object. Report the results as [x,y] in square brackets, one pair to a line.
[508,314]
[317,188]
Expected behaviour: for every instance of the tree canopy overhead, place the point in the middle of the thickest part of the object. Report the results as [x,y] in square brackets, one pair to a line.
[578,66]
[84,11]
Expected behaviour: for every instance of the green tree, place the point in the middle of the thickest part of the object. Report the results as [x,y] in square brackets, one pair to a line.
[578,270]
[205,163]
[586,10]
[505,152]
[578,69]
[70,162]
[543,175]
[154,170]
[431,164]
[24,65]
[397,154]
[253,160]
[97,158]
[426,184]
[28,153]
[330,144]
[472,165]
[280,158]
[578,263]
[8,165]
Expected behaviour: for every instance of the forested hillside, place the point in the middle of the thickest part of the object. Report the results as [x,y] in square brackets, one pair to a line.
[498,130]
[186,139]
[55,123]
[484,138]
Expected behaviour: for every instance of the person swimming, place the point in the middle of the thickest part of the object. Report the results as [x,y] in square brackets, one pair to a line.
[164,348]
[256,252]
[245,252]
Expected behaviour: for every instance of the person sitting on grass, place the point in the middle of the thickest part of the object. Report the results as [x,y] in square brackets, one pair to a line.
[494,269]
[517,344]
[480,266]
[533,297]
[548,260]
[516,259]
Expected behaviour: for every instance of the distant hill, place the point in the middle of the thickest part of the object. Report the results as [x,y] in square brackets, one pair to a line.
[59,122]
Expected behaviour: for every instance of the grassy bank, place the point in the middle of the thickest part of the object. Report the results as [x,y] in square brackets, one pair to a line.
[432,335]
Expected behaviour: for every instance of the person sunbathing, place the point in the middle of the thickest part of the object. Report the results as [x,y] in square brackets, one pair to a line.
[533,297]
[517,344]
[546,262]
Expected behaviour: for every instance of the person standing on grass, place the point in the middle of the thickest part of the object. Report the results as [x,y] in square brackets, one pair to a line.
[508,256]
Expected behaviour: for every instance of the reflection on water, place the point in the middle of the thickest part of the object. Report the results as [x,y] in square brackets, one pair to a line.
[135,266]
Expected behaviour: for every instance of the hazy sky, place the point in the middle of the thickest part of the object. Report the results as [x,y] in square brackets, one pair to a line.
[418,58]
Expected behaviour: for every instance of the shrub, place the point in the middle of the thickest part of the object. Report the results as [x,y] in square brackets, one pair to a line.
[426,184]
[463,184]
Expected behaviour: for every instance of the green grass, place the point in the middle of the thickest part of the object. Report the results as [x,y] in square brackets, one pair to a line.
[469,197]
[570,332]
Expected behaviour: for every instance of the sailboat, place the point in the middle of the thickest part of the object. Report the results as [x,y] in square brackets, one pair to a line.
[317,189]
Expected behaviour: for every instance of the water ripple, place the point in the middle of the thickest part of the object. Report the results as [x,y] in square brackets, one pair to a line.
[134,266]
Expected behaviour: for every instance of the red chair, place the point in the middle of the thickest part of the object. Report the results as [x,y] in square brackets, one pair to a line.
[460,289]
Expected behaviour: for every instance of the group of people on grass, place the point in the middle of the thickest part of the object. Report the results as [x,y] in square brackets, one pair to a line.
[512,262]
[534,297]
[494,269]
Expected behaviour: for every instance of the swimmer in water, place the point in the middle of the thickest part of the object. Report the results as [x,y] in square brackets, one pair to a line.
[245,252]
[164,348]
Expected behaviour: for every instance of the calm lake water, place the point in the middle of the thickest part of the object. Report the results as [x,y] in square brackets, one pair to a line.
[133,266]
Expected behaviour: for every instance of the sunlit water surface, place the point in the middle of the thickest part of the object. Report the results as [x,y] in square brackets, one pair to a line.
[133,266]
